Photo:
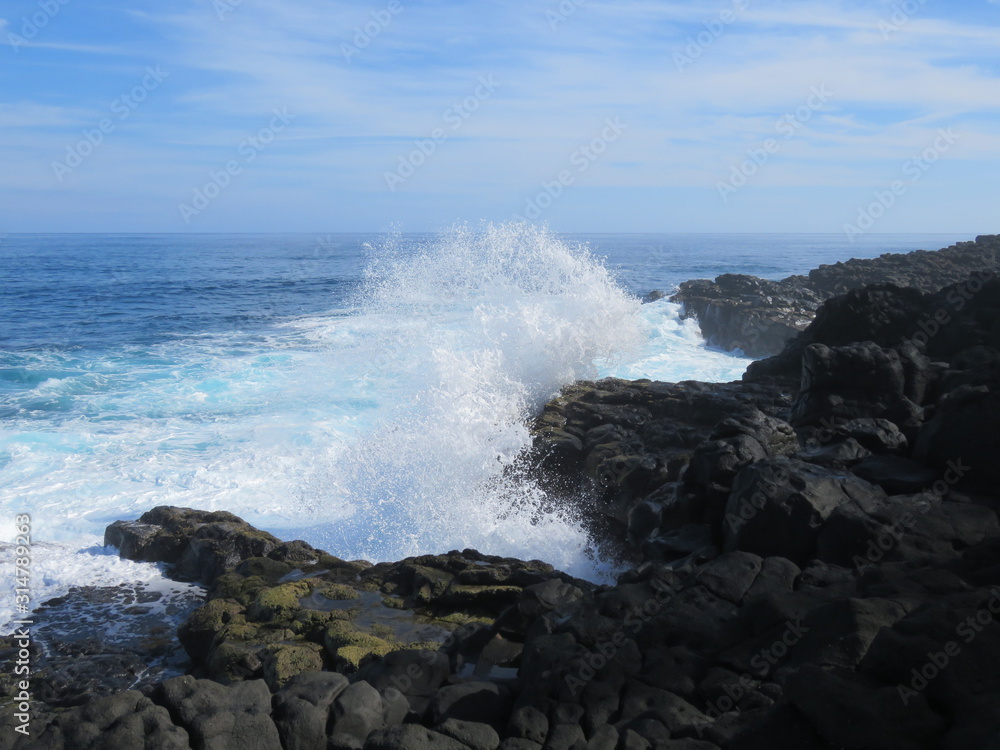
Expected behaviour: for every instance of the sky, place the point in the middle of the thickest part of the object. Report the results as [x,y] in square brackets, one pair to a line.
[411,115]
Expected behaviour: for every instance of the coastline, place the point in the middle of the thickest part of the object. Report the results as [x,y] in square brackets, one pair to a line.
[797,540]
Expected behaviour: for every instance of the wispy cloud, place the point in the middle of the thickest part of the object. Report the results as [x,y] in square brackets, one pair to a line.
[356,114]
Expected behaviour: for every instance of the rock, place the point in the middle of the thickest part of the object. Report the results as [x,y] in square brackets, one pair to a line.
[856,381]
[915,528]
[483,702]
[730,576]
[527,722]
[673,669]
[302,709]
[840,633]
[641,701]
[417,674]
[605,738]
[218,717]
[959,441]
[201,545]
[759,316]
[942,652]
[395,707]
[358,711]
[695,541]
[742,312]
[882,313]
[848,710]
[411,737]
[894,474]
[474,735]
[514,743]
[545,597]
[565,737]
[778,507]
[282,662]
[836,455]
[776,574]
[126,719]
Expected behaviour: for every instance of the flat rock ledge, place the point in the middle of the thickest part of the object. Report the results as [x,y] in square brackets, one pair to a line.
[814,563]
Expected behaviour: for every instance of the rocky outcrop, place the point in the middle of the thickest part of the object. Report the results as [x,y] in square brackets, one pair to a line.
[759,317]
[813,562]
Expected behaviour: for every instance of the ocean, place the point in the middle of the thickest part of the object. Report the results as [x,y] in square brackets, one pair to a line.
[362,392]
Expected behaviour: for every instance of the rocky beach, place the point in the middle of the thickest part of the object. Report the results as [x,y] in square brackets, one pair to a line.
[810,559]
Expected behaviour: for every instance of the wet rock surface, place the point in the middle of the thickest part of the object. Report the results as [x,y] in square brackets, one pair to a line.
[812,561]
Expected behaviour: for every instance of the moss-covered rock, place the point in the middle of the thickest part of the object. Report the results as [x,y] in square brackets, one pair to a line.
[279,603]
[350,647]
[270,570]
[285,660]
[199,632]
[234,586]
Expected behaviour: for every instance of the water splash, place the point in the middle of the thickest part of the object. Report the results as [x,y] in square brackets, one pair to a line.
[491,323]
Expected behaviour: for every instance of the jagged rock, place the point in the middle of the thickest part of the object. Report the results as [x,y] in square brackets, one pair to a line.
[959,440]
[778,506]
[917,529]
[759,316]
[848,710]
[201,545]
[851,382]
[730,576]
[742,312]
[895,474]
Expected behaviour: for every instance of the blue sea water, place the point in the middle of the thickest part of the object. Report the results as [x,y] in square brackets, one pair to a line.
[362,392]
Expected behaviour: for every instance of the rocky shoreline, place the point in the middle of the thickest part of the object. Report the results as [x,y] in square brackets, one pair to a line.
[813,561]
[759,316]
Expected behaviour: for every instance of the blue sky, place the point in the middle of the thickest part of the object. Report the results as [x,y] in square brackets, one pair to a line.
[325,116]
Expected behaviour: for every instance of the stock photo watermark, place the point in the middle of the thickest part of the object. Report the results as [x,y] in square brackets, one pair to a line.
[22,635]
[900,16]
[31,25]
[122,106]
[915,168]
[363,35]
[703,40]
[563,11]
[581,159]
[937,661]
[454,117]
[787,126]
[220,179]
[224,7]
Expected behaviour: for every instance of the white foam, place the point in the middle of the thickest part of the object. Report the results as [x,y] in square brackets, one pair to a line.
[495,322]
[54,568]
[380,430]
[674,350]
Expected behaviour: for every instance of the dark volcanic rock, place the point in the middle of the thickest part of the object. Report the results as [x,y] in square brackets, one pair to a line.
[753,315]
[759,316]
[201,545]
[817,565]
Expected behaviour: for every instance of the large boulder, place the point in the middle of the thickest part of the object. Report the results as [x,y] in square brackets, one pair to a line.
[778,506]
